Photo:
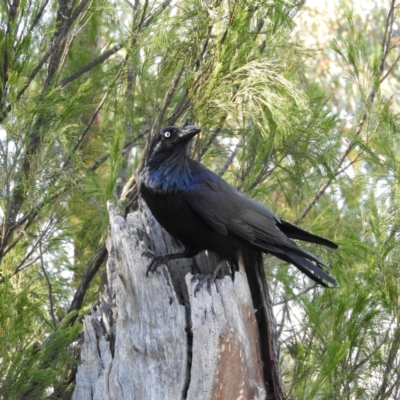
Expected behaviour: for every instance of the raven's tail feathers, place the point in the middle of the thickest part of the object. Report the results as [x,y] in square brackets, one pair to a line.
[313,271]
[294,232]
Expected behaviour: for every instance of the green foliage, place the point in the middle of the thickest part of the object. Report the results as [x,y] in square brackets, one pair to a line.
[29,367]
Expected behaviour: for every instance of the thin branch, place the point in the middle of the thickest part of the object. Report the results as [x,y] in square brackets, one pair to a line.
[12,244]
[264,169]
[387,36]
[260,24]
[38,16]
[134,7]
[212,137]
[230,159]
[285,301]
[167,99]
[394,348]
[92,119]
[55,45]
[89,66]
[6,41]
[94,265]
[22,264]
[343,169]
[389,71]
[374,352]
[31,215]
[127,145]
[210,141]
[49,285]
[85,131]
[21,267]
[131,84]
[183,104]
[395,386]
[32,26]
[69,40]
[142,18]
[155,13]
[282,324]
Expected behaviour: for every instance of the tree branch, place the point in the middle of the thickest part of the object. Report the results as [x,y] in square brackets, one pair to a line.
[393,352]
[94,265]
[285,301]
[230,159]
[49,286]
[90,65]
[85,131]
[146,22]
[55,45]
[167,100]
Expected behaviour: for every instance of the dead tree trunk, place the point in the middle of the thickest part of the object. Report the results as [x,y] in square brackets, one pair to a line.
[152,338]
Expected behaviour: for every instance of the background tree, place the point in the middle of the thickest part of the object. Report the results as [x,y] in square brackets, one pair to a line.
[299,109]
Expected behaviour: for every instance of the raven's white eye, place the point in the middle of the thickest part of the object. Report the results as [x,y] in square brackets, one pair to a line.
[167,134]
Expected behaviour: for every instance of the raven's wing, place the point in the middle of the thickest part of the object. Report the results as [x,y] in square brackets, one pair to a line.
[228,211]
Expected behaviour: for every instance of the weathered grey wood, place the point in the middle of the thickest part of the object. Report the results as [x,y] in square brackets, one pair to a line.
[152,338]
[150,342]
[226,357]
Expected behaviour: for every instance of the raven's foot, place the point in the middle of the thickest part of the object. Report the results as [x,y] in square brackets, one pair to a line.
[201,281]
[155,262]
[159,260]
[206,279]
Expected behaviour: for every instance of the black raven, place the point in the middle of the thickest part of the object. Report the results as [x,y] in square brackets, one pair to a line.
[204,212]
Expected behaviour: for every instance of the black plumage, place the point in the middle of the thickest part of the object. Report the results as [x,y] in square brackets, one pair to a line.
[204,212]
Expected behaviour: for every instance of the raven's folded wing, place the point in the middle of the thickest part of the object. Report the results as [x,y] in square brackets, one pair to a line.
[229,212]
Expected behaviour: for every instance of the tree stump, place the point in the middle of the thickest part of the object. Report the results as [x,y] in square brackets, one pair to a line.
[153,338]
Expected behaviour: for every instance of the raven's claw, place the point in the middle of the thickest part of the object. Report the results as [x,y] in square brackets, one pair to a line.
[155,262]
[202,280]
[209,279]
[159,260]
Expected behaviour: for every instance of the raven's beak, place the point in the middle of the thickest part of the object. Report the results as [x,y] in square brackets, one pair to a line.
[189,131]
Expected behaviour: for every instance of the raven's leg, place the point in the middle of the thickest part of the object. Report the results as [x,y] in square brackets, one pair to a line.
[159,260]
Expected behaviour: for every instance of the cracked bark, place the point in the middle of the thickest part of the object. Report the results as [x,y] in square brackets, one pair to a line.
[152,338]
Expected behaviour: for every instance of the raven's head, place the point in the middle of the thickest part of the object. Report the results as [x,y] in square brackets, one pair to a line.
[172,140]
[166,166]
